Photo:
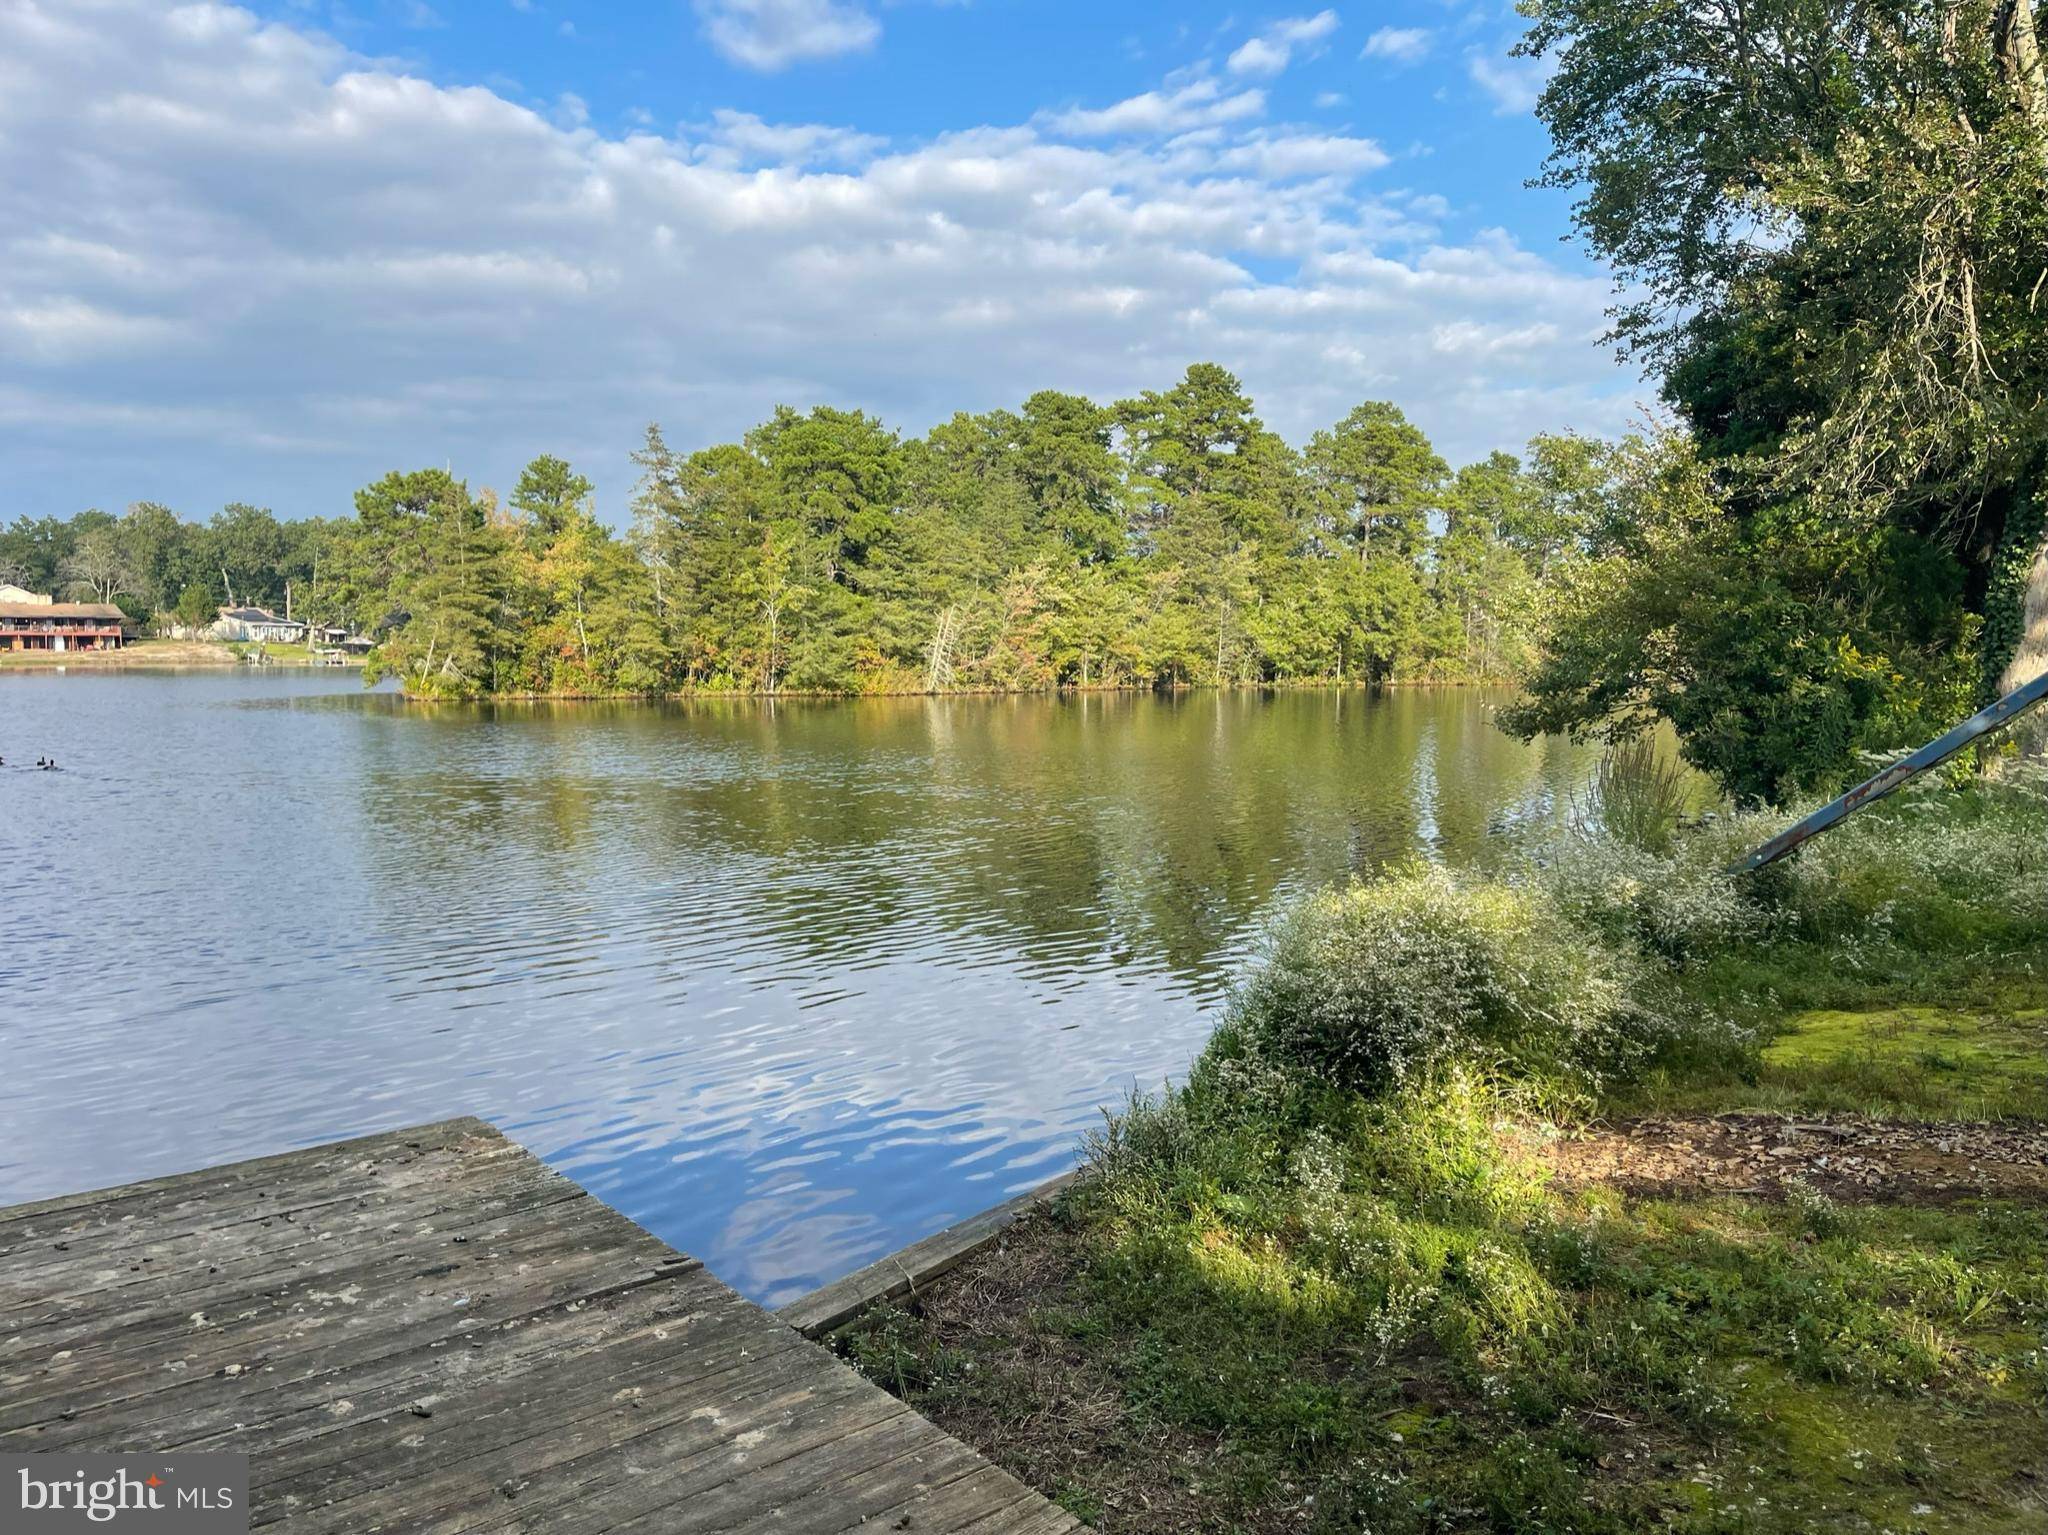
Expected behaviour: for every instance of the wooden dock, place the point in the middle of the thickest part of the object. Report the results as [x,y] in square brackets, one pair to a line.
[429,1330]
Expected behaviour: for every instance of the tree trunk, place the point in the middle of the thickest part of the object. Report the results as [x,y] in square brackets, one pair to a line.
[2019,60]
[939,653]
[2030,658]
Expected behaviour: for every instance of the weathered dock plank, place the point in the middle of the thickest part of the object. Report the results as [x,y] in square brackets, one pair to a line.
[903,1273]
[431,1331]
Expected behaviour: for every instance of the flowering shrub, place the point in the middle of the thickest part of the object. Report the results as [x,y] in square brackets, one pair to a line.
[1371,985]
[1597,951]
[1679,904]
[1942,870]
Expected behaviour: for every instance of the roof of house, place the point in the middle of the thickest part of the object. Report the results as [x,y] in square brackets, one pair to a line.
[258,616]
[61,610]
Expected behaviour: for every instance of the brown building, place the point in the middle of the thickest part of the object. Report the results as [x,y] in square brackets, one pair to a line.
[50,625]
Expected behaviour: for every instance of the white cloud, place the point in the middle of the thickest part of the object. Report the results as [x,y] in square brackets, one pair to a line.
[773,34]
[1273,49]
[741,138]
[1282,157]
[1514,84]
[1403,45]
[240,261]
[1471,336]
[1198,104]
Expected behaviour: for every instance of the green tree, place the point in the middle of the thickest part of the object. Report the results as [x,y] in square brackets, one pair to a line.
[436,555]
[196,608]
[1376,481]
[1214,498]
[549,494]
[1827,225]
[1069,470]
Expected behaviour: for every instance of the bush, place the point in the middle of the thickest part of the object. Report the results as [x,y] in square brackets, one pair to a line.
[1595,954]
[1680,904]
[1943,870]
[1371,986]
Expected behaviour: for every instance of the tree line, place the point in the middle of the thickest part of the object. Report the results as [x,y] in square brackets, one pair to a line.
[1829,229]
[1161,541]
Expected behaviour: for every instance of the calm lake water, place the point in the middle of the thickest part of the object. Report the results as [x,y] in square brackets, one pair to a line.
[789,983]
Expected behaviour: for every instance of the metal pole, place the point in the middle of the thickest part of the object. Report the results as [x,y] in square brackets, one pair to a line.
[1904,771]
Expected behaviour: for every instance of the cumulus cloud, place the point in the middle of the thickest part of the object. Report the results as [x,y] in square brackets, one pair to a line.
[1280,157]
[1403,45]
[1199,103]
[1514,84]
[741,138]
[773,34]
[241,261]
[1273,49]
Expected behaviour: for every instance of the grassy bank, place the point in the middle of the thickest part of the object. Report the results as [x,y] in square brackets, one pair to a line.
[1599,1194]
[142,653]
[147,653]
[285,655]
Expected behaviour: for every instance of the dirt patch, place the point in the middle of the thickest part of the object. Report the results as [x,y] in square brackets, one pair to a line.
[140,653]
[1059,1421]
[1844,1158]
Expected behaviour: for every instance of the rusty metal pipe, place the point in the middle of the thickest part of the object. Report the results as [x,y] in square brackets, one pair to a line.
[1904,771]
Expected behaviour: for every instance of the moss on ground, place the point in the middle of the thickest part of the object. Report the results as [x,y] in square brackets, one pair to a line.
[1379,1315]
[1333,1284]
[1911,1062]
[1985,1058]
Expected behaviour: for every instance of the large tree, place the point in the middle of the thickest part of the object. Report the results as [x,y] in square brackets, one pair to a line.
[1376,480]
[435,561]
[549,494]
[1828,223]
[98,567]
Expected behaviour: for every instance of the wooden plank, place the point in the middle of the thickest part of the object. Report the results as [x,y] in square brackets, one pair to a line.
[428,1330]
[427,1279]
[124,1316]
[905,1272]
[131,1199]
[83,1255]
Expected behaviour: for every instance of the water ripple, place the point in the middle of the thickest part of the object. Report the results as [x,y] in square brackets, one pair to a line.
[790,984]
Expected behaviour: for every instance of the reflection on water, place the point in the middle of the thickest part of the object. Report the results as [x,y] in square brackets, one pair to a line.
[789,983]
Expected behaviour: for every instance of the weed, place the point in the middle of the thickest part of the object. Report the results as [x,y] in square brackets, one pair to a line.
[1641,794]
[1326,1285]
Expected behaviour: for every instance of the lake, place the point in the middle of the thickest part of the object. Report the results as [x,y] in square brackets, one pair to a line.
[791,983]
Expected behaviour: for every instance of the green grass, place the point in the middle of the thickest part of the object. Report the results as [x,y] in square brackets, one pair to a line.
[1963,1065]
[1394,1315]
[286,655]
[1327,1284]
[1904,1062]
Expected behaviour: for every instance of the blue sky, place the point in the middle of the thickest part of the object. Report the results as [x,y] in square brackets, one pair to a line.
[266,253]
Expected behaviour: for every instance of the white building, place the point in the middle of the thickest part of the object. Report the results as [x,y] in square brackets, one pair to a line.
[257,626]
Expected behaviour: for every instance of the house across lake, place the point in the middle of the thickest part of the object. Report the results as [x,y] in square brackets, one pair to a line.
[258,626]
[31,622]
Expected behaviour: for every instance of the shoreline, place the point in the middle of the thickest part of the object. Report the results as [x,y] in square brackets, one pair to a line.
[155,655]
[700,695]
